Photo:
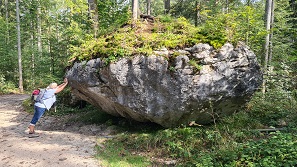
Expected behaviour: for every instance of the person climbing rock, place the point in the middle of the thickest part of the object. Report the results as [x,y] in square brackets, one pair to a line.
[45,102]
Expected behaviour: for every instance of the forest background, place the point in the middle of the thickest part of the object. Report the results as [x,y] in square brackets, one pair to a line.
[50,30]
[40,38]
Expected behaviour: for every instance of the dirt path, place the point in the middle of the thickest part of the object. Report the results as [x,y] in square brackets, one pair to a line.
[54,148]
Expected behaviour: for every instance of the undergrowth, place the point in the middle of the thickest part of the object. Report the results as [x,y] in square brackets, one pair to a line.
[233,141]
[6,87]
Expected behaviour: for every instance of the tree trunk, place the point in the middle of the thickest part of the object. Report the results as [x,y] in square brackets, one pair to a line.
[39,41]
[52,71]
[197,15]
[247,35]
[93,11]
[227,7]
[148,7]
[49,49]
[19,47]
[268,7]
[6,19]
[271,33]
[134,10]
[32,73]
[167,6]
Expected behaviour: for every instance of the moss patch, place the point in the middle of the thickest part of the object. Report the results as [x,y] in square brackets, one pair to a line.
[142,38]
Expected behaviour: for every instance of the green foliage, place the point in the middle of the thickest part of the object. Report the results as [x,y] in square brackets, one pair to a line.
[28,105]
[112,15]
[175,33]
[232,141]
[280,149]
[45,60]
[214,31]
[274,108]
[43,81]
[243,24]
[8,54]
[142,38]
[157,7]
[165,19]
[115,155]
[86,115]
[6,86]
[284,35]
[282,78]
[195,64]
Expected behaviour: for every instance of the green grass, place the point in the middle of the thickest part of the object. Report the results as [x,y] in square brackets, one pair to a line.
[231,141]
[114,155]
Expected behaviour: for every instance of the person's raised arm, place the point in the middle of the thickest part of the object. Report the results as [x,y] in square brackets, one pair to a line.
[61,86]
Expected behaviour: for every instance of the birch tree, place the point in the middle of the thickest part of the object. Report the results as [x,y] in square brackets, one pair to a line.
[270,54]
[134,9]
[19,47]
[39,42]
[268,18]
[197,11]
[6,18]
[148,7]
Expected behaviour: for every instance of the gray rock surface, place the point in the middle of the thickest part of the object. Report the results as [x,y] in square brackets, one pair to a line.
[164,88]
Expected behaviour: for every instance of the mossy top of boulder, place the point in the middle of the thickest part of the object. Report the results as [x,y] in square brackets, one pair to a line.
[144,37]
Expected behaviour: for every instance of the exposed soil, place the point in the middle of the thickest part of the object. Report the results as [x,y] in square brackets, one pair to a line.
[59,144]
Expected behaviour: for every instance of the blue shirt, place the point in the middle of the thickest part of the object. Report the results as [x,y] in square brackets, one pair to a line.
[48,99]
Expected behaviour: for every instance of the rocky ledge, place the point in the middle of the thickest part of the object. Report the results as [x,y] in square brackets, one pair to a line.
[167,87]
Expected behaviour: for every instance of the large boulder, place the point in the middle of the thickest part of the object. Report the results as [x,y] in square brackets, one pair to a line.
[198,84]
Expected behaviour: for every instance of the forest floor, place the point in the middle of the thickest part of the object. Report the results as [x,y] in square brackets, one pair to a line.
[59,143]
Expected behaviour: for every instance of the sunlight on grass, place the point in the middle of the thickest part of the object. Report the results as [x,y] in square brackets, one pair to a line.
[233,141]
[114,155]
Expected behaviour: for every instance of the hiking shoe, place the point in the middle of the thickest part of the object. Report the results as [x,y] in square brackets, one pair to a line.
[33,135]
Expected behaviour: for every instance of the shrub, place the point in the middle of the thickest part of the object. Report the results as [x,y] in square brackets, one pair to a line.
[6,87]
[280,149]
[233,141]
[275,108]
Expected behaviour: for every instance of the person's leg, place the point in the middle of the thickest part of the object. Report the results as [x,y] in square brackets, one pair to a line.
[38,112]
